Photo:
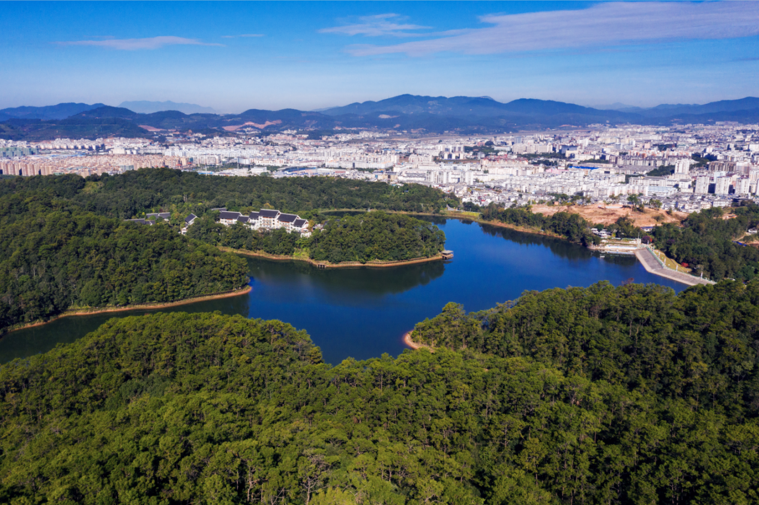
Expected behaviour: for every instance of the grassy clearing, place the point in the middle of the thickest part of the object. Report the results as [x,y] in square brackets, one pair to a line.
[670,263]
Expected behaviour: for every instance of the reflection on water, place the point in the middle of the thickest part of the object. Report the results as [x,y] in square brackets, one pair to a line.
[31,341]
[345,283]
[363,312]
[559,247]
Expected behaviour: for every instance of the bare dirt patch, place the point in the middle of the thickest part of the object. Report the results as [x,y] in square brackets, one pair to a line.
[608,214]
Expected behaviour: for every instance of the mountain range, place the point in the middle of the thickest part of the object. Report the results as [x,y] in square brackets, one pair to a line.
[426,114]
[60,111]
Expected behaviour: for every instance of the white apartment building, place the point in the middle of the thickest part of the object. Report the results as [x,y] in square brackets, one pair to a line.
[722,185]
[702,185]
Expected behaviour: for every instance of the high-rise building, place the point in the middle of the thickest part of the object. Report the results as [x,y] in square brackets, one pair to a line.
[682,166]
[722,185]
[743,186]
[702,185]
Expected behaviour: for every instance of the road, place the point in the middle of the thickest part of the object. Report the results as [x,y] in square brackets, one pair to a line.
[651,264]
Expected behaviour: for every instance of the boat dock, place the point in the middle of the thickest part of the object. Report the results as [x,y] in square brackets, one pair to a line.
[447,255]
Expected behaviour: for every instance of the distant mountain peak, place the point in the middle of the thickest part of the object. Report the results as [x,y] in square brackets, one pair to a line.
[148,107]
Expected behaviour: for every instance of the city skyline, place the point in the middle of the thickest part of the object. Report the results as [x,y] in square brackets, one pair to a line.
[308,56]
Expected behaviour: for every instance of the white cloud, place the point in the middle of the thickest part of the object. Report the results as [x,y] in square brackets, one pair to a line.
[381,25]
[600,25]
[135,44]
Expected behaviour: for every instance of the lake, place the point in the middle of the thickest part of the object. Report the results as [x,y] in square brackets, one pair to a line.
[364,312]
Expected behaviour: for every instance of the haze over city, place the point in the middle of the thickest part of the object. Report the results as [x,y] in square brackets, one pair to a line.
[236,56]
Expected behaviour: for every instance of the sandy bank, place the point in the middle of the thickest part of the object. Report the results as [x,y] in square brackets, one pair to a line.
[146,306]
[326,264]
[410,343]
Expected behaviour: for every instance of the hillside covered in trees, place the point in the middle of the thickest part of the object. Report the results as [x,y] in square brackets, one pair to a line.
[650,404]
[150,190]
[370,236]
[706,241]
[700,346]
[54,256]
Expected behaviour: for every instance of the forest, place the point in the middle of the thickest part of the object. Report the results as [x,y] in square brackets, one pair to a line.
[54,257]
[375,236]
[699,346]
[602,395]
[570,226]
[365,237]
[161,189]
[706,241]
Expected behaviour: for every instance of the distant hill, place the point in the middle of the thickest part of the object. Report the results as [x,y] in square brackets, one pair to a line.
[461,106]
[618,106]
[668,110]
[411,104]
[464,115]
[73,127]
[147,107]
[524,112]
[60,111]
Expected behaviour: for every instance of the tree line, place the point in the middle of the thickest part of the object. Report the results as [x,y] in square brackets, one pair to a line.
[570,226]
[707,242]
[205,408]
[136,192]
[64,244]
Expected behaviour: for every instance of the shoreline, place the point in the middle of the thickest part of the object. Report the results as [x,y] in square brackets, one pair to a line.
[458,215]
[499,224]
[678,277]
[324,264]
[479,220]
[413,345]
[145,306]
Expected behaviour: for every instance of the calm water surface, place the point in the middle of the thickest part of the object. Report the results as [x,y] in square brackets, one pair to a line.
[364,312]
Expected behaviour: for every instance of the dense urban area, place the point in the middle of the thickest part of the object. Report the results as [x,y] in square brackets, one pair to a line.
[685,168]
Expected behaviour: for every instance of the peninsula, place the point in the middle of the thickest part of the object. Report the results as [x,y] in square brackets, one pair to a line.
[374,238]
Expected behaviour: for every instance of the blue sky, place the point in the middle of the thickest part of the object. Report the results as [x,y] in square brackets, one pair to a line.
[268,55]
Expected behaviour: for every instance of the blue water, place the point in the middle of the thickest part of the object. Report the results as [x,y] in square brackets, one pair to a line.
[364,312]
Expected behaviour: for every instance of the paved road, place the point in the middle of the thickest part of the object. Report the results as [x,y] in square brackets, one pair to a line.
[651,264]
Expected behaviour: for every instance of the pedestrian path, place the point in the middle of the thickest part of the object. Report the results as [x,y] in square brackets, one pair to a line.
[654,265]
